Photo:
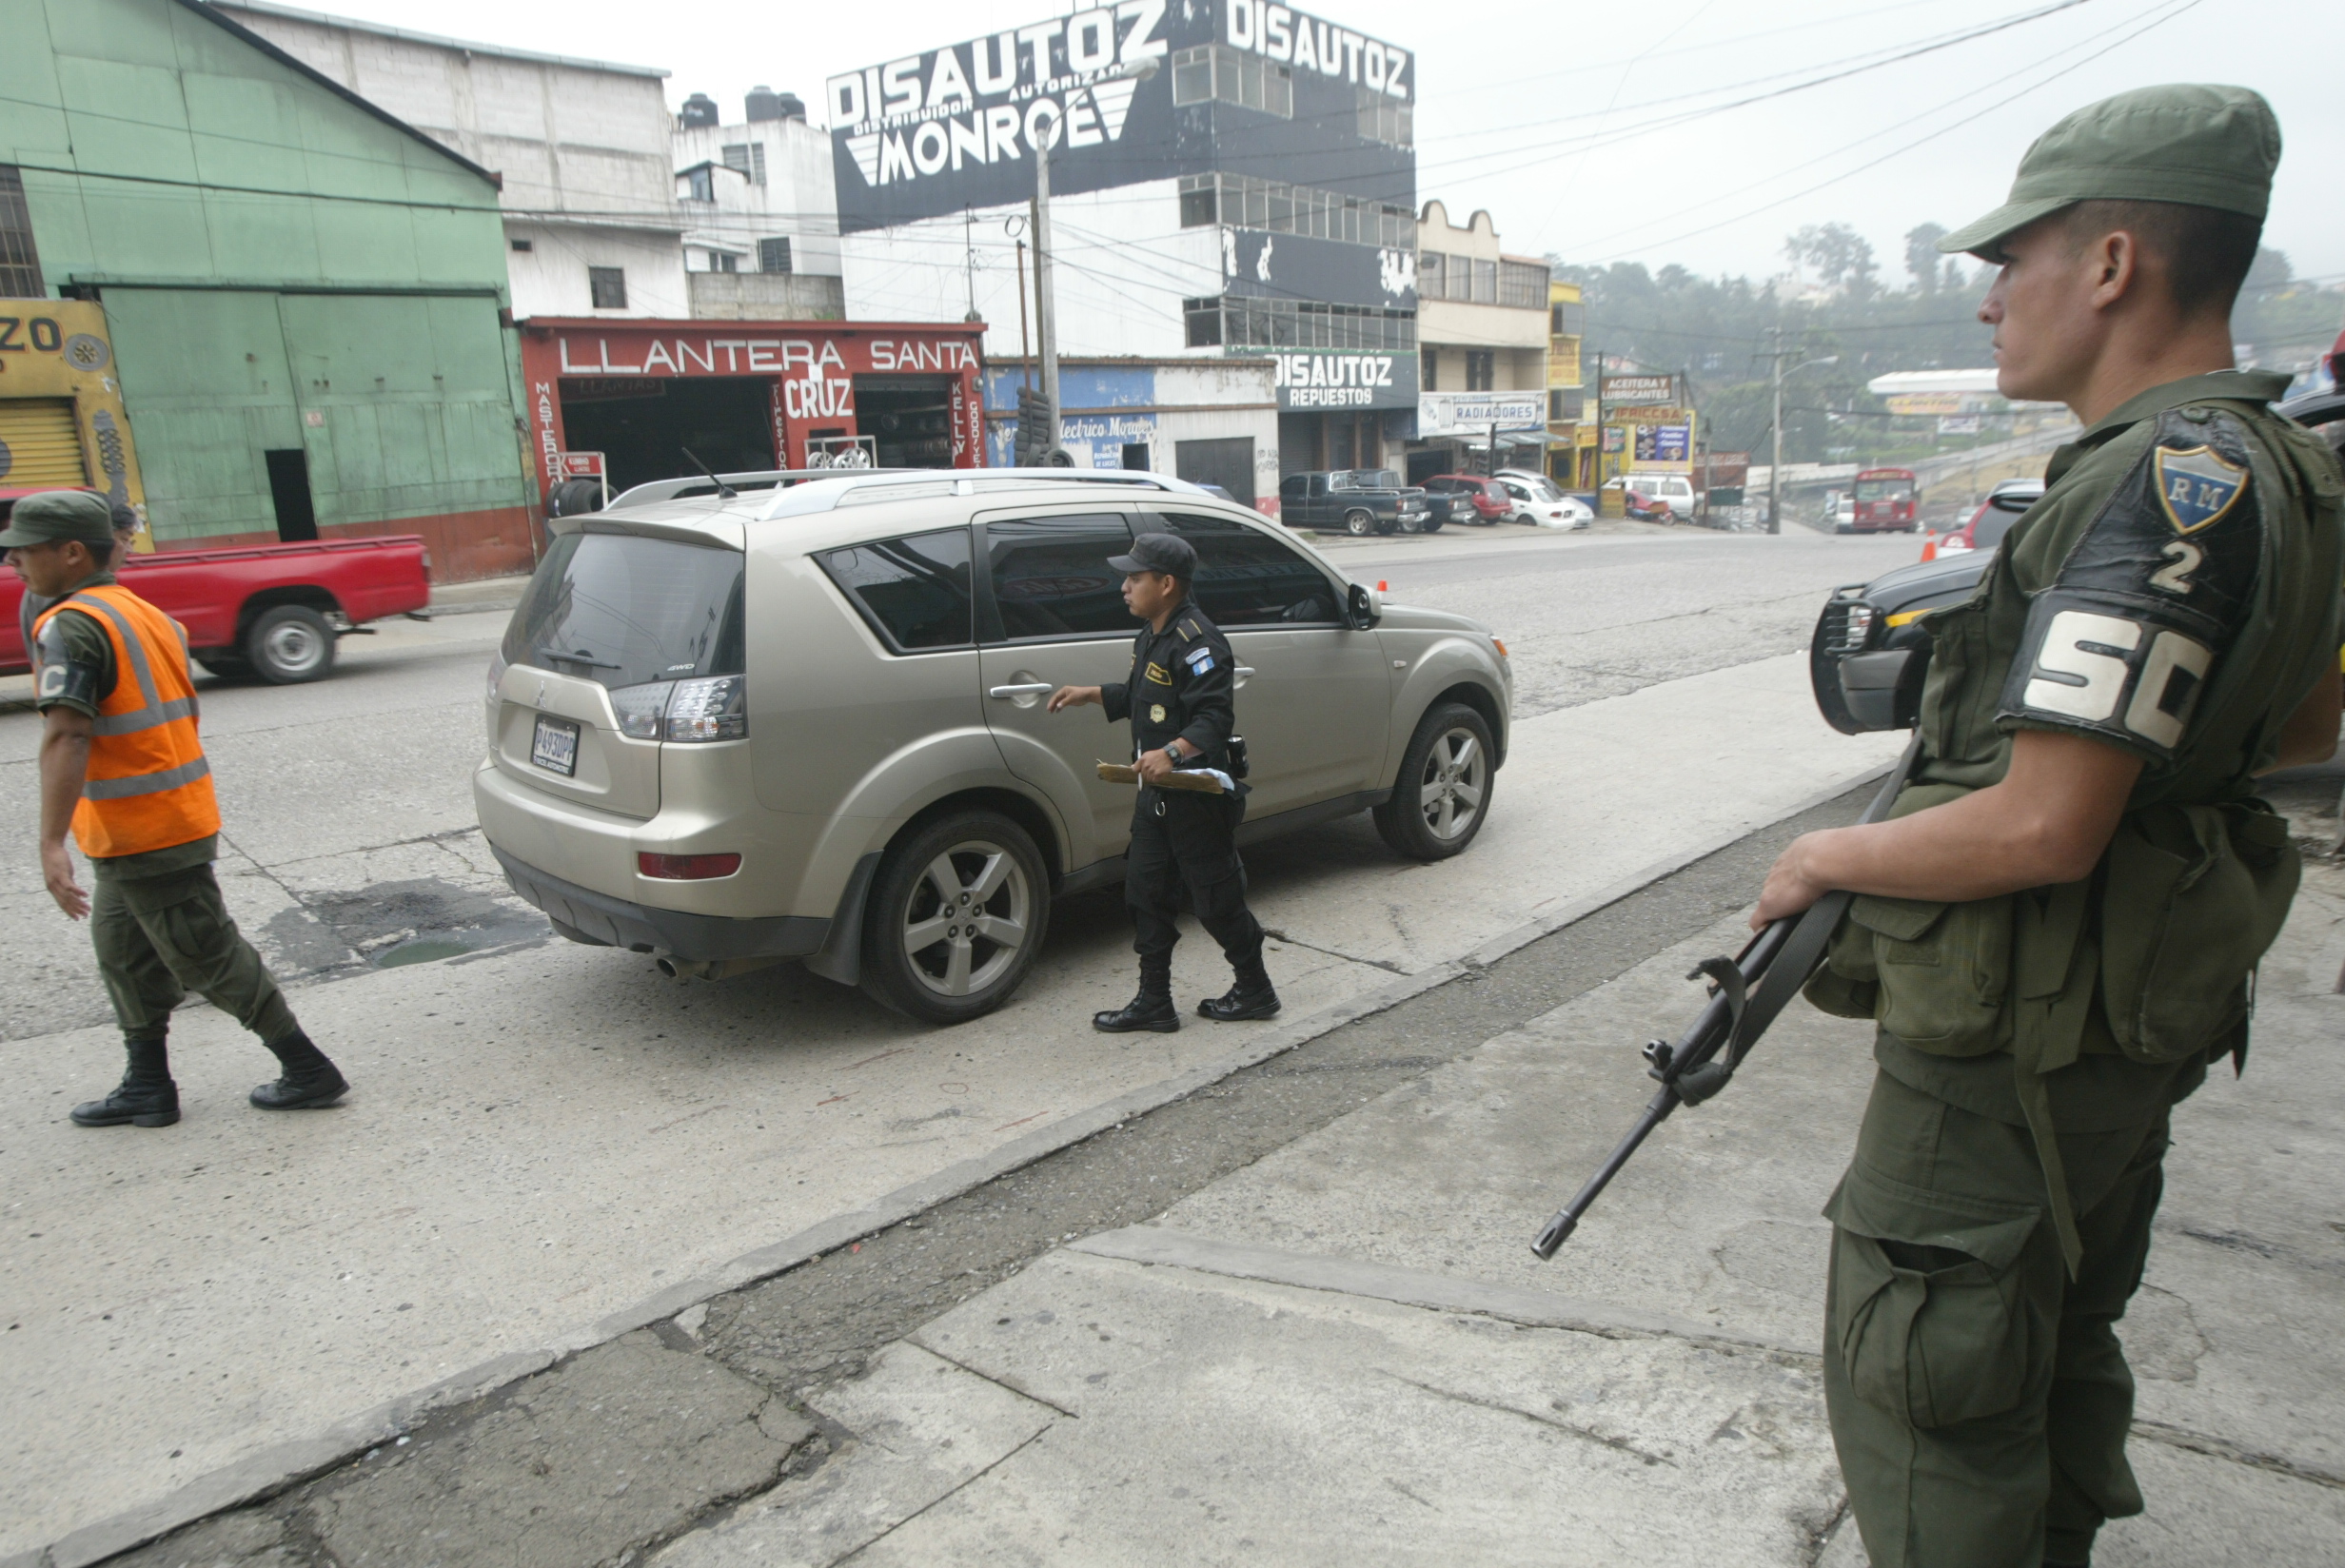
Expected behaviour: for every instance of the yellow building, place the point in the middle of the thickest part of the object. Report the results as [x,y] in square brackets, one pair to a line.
[1571,457]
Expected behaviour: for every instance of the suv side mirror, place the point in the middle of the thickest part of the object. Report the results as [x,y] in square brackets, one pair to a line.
[1360,607]
[2009,502]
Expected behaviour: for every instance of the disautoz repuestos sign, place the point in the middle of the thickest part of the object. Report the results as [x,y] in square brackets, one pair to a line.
[1346,380]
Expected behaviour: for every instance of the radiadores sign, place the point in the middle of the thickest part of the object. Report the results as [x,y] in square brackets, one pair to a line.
[928,134]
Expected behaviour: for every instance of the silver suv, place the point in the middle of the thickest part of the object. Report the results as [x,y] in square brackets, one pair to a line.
[808,722]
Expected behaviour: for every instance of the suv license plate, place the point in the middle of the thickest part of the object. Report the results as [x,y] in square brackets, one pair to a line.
[555,748]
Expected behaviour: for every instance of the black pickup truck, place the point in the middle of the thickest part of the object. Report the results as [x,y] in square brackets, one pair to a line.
[1354,501]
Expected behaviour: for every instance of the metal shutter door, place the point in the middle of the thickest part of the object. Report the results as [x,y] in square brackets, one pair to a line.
[39,445]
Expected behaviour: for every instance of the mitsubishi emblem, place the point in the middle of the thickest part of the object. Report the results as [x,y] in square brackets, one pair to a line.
[540,702]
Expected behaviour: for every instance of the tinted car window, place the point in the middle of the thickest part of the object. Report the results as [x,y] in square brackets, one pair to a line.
[1293,489]
[915,591]
[625,610]
[1993,524]
[1051,575]
[1247,578]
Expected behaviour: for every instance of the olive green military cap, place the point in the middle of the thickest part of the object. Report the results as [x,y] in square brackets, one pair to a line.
[2197,146]
[50,515]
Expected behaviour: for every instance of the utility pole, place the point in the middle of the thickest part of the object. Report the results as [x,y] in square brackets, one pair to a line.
[1046,305]
[1775,426]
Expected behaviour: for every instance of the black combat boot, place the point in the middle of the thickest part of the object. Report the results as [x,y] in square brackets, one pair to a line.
[147,1097]
[1251,997]
[309,1080]
[1151,1009]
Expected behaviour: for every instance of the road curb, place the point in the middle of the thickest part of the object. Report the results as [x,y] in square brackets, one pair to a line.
[287,1464]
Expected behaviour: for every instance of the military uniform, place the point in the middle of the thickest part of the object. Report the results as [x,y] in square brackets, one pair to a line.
[2174,595]
[1182,686]
[149,826]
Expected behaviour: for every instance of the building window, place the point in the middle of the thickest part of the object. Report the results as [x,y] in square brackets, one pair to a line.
[723,260]
[1245,202]
[774,255]
[1481,370]
[608,287]
[746,159]
[700,185]
[525,246]
[1385,119]
[1564,404]
[20,264]
[1248,79]
[1486,282]
[1428,370]
[1243,321]
[1523,285]
[1204,320]
[1566,319]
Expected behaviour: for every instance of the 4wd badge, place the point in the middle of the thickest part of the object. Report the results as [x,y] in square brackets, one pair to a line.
[2197,487]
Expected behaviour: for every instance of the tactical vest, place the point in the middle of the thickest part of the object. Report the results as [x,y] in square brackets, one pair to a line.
[2197,879]
[148,786]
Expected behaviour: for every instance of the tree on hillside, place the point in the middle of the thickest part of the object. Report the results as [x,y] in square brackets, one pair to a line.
[1922,256]
[1841,258]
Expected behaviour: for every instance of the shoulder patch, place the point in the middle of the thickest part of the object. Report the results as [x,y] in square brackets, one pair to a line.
[2150,596]
[2196,487]
[1199,659]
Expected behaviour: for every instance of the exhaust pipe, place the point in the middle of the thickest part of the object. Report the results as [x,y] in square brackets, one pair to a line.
[709,969]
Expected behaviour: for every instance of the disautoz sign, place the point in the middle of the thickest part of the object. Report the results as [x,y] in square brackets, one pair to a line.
[1346,380]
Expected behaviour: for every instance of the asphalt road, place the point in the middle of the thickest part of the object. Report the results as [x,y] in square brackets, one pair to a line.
[546,1135]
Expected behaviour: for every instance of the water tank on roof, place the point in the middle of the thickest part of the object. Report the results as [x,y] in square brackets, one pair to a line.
[699,111]
[765,104]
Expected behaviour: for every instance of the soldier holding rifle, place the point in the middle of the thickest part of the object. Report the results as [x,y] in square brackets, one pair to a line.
[2055,929]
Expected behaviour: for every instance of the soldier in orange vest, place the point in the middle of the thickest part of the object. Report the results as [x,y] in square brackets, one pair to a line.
[121,764]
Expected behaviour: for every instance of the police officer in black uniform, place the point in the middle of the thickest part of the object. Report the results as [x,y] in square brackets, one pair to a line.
[1178,699]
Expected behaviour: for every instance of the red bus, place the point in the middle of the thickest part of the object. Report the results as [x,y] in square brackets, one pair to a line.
[1885,502]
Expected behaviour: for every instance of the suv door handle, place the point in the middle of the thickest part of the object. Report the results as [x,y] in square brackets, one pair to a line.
[1030,688]
[1244,673]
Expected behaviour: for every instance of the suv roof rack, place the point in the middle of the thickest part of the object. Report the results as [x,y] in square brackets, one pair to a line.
[823,492]
[755,478]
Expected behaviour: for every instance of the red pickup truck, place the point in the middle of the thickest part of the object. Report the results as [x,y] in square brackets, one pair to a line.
[270,611]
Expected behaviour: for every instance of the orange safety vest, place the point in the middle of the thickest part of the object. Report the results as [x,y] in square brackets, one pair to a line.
[148,786]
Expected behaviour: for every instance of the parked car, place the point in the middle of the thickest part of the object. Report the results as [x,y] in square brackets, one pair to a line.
[1672,494]
[1838,512]
[1541,502]
[1486,499]
[809,724]
[270,611]
[1358,502]
[1986,525]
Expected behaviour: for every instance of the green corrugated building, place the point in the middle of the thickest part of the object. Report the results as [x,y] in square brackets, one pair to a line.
[307,299]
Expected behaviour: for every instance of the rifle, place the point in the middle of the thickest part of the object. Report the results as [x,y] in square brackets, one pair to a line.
[1747,991]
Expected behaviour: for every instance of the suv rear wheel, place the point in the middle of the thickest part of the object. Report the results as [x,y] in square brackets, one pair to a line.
[957,914]
[1443,795]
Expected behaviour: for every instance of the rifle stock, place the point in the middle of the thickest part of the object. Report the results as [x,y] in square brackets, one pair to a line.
[1748,991]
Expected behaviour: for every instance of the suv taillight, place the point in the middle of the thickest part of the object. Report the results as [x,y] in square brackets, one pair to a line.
[716,708]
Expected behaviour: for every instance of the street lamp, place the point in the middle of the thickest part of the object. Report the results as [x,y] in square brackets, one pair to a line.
[1046,301]
[1775,462]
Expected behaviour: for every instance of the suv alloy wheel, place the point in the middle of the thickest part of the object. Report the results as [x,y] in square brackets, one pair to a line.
[1443,794]
[957,914]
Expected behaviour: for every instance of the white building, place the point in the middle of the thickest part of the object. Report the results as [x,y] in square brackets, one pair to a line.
[584,147]
[761,241]
[1483,329]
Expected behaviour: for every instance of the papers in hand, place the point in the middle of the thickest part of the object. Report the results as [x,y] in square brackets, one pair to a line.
[1200,781]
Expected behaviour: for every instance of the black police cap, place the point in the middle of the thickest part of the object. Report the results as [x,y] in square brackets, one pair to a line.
[1166,553]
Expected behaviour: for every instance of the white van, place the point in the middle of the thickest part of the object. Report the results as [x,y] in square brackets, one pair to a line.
[1675,491]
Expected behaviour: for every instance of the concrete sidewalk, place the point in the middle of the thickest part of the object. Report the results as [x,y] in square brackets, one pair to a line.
[1345,1351]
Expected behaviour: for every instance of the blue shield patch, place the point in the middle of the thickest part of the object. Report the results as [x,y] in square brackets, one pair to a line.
[2197,487]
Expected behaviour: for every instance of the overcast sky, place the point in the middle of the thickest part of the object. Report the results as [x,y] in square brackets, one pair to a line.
[1552,115]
